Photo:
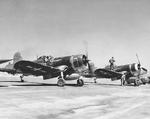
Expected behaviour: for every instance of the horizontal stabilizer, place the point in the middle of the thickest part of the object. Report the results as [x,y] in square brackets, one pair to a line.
[5,60]
[10,71]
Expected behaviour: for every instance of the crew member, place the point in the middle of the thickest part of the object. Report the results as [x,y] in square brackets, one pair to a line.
[111,61]
[123,79]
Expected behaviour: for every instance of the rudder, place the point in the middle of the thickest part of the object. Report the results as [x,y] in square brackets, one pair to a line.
[17,57]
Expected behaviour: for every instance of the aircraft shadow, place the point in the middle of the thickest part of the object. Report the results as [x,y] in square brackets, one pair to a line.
[12,81]
[114,84]
[106,84]
[42,84]
[3,86]
[25,83]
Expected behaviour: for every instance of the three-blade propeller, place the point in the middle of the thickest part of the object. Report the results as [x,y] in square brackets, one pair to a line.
[139,65]
[86,53]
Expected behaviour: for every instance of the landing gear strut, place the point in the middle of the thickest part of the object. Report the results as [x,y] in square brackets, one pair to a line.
[61,81]
[95,81]
[21,77]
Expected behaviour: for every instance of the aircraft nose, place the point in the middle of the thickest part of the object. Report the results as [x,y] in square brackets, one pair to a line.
[139,66]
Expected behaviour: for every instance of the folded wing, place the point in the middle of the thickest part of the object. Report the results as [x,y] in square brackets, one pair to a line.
[104,73]
[34,68]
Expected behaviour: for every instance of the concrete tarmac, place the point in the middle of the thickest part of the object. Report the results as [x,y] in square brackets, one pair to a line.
[38,99]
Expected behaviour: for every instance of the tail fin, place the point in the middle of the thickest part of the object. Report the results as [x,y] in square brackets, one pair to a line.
[17,57]
[91,67]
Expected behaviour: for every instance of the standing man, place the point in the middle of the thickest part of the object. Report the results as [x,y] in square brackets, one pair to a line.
[111,61]
[123,78]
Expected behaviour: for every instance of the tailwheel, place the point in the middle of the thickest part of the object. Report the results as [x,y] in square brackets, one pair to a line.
[95,81]
[21,77]
[80,82]
[60,82]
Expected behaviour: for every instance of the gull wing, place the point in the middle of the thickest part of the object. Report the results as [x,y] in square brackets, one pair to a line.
[104,73]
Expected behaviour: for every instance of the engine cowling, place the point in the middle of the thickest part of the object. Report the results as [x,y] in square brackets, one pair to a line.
[78,61]
[134,67]
[129,68]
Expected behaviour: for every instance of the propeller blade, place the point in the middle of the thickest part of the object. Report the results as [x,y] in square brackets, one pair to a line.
[86,48]
[144,69]
[138,59]
[87,55]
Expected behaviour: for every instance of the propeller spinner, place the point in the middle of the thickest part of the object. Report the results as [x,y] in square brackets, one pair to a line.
[86,57]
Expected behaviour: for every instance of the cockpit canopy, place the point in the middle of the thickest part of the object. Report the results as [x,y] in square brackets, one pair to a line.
[45,59]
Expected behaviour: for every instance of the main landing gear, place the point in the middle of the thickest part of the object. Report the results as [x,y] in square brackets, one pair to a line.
[132,80]
[136,82]
[80,82]
[21,77]
[61,80]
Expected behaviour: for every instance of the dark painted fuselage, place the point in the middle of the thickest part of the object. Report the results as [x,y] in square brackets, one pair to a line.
[131,70]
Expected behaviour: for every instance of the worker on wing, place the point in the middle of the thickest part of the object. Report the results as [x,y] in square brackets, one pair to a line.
[111,61]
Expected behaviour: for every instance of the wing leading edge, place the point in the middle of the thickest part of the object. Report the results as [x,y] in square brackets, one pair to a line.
[104,73]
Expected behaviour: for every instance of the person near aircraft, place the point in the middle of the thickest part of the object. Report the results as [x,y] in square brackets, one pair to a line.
[123,79]
[111,61]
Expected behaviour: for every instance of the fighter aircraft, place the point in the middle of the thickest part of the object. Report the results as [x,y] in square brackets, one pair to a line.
[130,73]
[65,68]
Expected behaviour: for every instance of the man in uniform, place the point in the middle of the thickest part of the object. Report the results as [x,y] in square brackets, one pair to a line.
[123,78]
[111,61]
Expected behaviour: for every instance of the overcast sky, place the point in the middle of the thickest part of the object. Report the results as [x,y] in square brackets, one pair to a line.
[119,28]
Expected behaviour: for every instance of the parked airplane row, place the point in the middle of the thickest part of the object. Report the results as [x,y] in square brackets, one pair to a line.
[74,67]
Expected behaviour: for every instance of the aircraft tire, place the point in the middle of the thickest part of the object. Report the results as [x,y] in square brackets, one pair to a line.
[21,77]
[136,83]
[144,83]
[22,80]
[80,82]
[128,82]
[60,82]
